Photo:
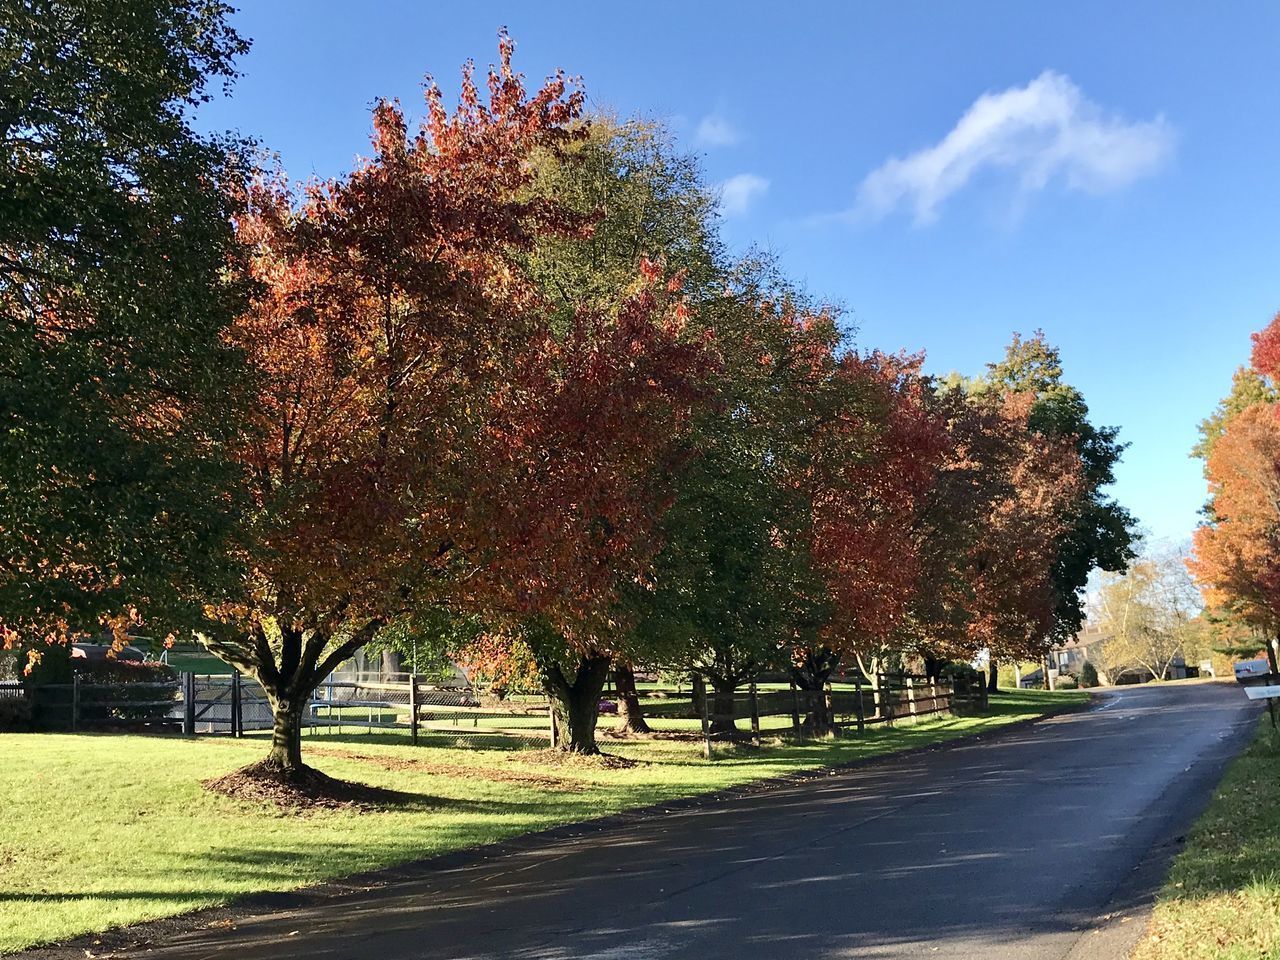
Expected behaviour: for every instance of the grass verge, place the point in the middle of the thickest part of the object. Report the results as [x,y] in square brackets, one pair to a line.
[105,830]
[1221,900]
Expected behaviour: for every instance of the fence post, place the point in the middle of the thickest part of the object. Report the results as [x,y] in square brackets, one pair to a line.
[706,730]
[237,719]
[188,703]
[933,696]
[877,697]
[75,701]
[755,713]
[911,699]
[551,722]
[829,708]
[413,708]
[858,708]
[795,708]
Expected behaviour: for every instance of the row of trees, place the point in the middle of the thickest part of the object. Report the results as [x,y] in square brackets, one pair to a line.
[1236,551]
[501,384]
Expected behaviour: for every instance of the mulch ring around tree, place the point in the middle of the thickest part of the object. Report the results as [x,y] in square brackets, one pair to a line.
[303,791]
[544,781]
[581,761]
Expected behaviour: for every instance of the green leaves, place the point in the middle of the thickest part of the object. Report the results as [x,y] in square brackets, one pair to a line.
[117,391]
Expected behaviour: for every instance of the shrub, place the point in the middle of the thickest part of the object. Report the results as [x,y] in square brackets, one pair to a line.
[125,699]
[1088,675]
[110,693]
[960,674]
[1066,682]
[15,714]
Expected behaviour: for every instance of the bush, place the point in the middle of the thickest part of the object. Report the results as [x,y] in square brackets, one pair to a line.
[125,700]
[960,674]
[1065,682]
[1088,675]
[15,714]
[122,701]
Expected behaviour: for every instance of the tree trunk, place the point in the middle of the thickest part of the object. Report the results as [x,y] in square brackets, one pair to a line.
[629,712]
[286,736]
[993,676]
[1271,657]
[932,668]
[818,719]
[723,710]
[577,704]
[392,663]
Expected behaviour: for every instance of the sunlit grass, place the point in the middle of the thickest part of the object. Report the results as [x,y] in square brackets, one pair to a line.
[1222,898]
[105,830]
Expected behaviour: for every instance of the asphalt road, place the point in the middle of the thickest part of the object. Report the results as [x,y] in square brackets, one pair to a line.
[1011,847]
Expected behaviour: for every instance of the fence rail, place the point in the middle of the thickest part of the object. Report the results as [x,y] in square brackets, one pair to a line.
[890,699]
[224,704]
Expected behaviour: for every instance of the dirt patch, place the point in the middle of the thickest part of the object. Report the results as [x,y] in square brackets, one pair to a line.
[544,781]
[563,758]
[303,791]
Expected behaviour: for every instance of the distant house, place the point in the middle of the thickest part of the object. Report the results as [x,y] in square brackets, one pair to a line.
[1086,646]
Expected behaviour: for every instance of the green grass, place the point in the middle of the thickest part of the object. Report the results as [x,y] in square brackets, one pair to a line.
[197,661]
[1221,900]
[105,830]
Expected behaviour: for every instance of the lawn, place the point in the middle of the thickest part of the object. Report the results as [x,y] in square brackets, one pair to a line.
[105,830]
[1222,898]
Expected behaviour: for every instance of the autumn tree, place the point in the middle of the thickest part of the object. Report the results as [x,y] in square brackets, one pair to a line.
[117,385]
[591,439]
[876,457]
[394,338]
[734,586]
[1235,553]
[1101,532]
[646,203]
[1033,484]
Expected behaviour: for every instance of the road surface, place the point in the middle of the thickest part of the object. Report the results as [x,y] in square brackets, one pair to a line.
[1011,847]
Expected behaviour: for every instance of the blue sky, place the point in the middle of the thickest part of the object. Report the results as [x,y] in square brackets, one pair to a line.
[948,172]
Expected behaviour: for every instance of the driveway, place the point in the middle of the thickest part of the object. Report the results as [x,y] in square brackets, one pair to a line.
[1015,846]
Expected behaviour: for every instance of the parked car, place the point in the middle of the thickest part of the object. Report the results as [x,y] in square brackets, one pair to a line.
[99,651]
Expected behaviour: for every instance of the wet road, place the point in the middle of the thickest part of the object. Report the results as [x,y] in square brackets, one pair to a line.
[1010,847]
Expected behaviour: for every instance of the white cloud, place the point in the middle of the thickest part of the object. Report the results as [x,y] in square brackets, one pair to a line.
[1044,131]
[715,131]
[738,193]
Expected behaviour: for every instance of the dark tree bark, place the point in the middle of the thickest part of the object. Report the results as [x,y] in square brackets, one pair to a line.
[723,712]
[993,677]
[288,678]
[392,663]
[811,680]
[286,736]
[932,669]
[577,703]
[629,712]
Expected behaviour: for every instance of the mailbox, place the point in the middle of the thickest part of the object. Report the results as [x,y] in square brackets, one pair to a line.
[1250,669]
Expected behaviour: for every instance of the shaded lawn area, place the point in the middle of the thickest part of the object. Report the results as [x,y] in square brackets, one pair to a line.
[1221,900]
[111,829]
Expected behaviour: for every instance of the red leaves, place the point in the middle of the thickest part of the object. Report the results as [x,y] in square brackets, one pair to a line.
[1266,350]
[882,451]
[586,437]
